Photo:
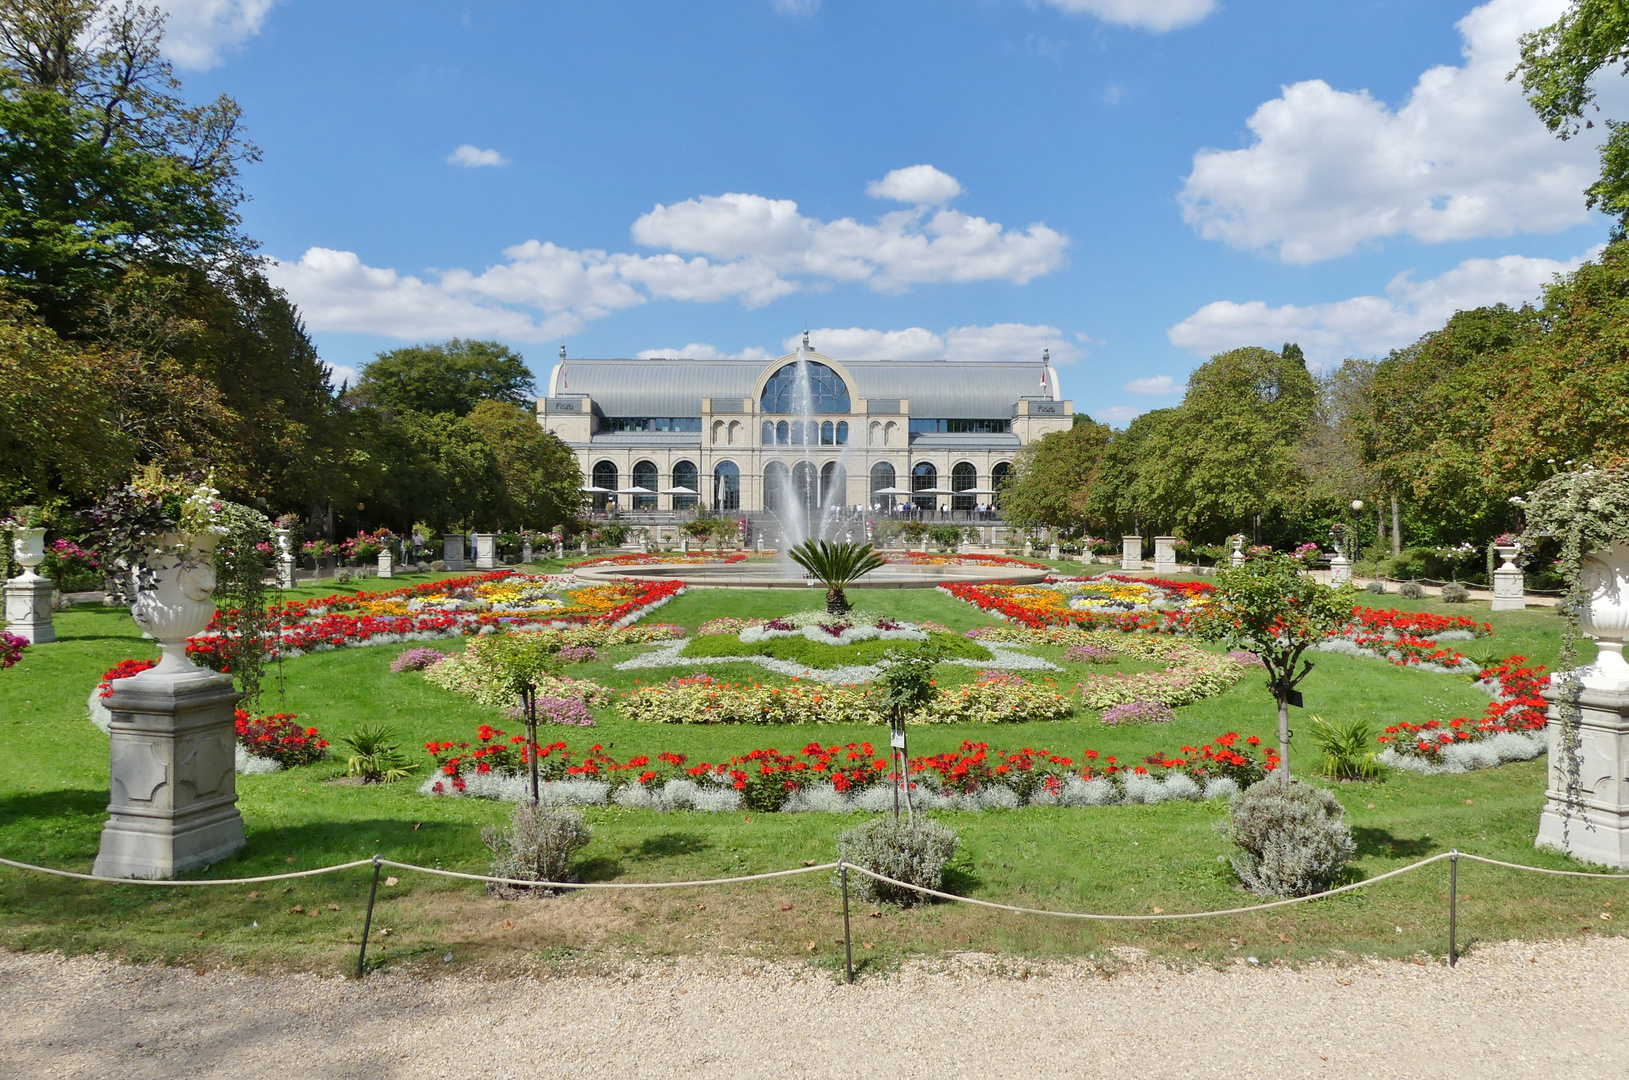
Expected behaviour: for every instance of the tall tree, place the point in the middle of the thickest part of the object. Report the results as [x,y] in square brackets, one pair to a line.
[1053,481]
[541,479]
[448,378]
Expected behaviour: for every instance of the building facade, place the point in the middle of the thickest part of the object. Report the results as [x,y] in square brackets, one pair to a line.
[743,436]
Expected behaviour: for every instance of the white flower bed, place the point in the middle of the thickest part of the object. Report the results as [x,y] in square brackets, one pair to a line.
[1488,753]
[666,655]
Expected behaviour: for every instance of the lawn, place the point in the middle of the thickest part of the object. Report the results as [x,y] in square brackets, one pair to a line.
[53,794]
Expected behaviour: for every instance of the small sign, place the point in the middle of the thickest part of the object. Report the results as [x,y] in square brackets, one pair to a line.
[1039,408]
[1294,698]
[562,406]
[897,740]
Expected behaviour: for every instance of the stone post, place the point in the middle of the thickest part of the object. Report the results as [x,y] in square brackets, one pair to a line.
[1597,828]
[486,551]
[1236,560]
[28,595]
[452,551]
[585,545]
[387,563]
[684,545]
[644,542]
[1052,551]
[286,563]
[1131,553]
[1509,589]
[1340,570]
[1165,555]
[1029,547]
[526,550]
[559,548]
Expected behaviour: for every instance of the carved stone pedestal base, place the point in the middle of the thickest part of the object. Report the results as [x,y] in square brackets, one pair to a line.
[173,792]
[28,608]
[1595,828]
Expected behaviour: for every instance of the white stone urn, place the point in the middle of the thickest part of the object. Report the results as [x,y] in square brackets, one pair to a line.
[177,605]
[1340,570]
[1605,617]
[1236,560]
[28,548]
[285,541]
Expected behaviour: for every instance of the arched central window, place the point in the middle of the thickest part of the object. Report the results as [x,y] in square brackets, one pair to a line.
[925,477]
[963,476]
[604,476]
[685,475]
[726,486]
[787,392]
[882,476]
[644,476]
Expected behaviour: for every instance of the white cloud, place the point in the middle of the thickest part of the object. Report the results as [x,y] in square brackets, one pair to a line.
[473,157]
[198,32]
[339,374]
[1156,15]
[1154,384]
[1117,414]
[699,350]
[797,8]
[916,184]
[1000,341]
[1464,156]
[1368,325]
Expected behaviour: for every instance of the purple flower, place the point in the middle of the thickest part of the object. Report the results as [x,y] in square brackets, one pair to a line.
[1088,654]
[578,654]
[1139,712]
[417,660]
[1245,656]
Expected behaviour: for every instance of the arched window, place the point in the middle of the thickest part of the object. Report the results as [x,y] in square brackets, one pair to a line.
[686,475]
[805,488]
[726,486]
[645,476]
[999,476]
[797,432]
[828,434]
[769,432]
[833,484]
[605,476]
[735,432]
[882,476]
[889,430]
[777,485]
[781,436]
[718,431]
[962,477]
[788,392]
[814,432]
[842,433]
[923,477]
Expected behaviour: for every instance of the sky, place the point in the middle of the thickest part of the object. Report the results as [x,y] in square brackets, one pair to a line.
[1133,184]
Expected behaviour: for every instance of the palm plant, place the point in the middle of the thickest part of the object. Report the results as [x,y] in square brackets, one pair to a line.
[836,566]
[1346,750]
[375,757]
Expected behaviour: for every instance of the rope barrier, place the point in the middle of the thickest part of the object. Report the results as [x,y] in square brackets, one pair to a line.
[522,882]
[192,881]
[1541,869]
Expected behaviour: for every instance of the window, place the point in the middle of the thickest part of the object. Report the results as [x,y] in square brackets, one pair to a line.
[828,434]
[797,432]
[769,433]
[645,476]
[726,486]
[833,485]
[842,433]
[882,476]
[777,485]
[962,477]
[685,475]
[781,436]
[924,477]
[998,479]
[805,489]
[650,423]
[785,392]
[604,476]
[930,426]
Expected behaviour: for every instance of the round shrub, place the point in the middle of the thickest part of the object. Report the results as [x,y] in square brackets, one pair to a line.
[1455,593]
[1293,839]
[1410,590]
[916,854]
[539,843]
[1377,588]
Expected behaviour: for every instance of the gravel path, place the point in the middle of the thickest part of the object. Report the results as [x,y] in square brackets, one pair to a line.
[1513,1010]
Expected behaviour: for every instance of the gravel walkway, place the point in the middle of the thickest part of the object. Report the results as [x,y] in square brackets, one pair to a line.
[1550,1010]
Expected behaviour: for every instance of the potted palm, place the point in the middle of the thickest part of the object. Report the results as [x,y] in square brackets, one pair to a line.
[836,566]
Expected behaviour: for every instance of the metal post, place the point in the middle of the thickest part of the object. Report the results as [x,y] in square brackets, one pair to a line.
[848,941]
[530,694]
[367,920]
[1453,908]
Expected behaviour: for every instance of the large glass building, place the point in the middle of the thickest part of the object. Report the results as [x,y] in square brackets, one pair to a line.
[739,436]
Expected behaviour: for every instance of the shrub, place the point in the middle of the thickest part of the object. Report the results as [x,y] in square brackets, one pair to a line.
[439,566]
[538,844]
[578,654]
[1346,750]
[1378,588]
[1292,838]
[916,854]
[1455,593]
[1410,590]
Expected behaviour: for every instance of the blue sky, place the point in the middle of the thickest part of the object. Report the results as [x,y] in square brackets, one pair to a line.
[1136,183]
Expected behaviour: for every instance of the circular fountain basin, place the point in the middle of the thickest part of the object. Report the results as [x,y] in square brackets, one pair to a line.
[750,575]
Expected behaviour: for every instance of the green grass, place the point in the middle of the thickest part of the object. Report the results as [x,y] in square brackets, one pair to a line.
[53,796]
[817,654]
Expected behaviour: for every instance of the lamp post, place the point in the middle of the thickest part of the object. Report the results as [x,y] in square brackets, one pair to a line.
[1357,523]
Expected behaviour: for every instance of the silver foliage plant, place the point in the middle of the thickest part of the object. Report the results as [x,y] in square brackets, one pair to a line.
[914,853]
[1293,839]
[538,844]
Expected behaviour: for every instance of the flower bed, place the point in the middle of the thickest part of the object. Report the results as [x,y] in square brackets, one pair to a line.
[11,648]
[917,558]
[1511,728]
[1105,601]
[469,675]
[841,778]
[671,558]
[476,604]
[1191,674]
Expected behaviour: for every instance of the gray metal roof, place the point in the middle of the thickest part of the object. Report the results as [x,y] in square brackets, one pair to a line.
[954,389]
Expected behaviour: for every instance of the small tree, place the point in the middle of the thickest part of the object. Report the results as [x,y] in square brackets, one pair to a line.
[522,662]
[1271,608]
[906,684]
[836,566]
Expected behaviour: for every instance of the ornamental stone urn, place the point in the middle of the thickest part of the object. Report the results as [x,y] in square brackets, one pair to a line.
[1165,555]
[28,595]
[1592,822]
[1509,588]
[452,551]
[387,563]
[286,562]
[1131,553]
[173,789]
[1236,560]
[486,551]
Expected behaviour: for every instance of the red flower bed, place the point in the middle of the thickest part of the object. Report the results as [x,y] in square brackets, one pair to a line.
[1222,758]
[1189,590]
[122,670]
[639,558]
[1147,622]
[1519,707]
[280,737]
[1416,623]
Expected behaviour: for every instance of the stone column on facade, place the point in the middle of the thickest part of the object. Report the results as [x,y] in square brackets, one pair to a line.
[387,563]
[173,789]
[486,551]
[1165,555]
[452,551]
[1509,588]
[28,595]
[1236,560]
[1131,553]
[1340,570]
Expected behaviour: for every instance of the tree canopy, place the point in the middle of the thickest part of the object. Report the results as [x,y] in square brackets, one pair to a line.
[445,378]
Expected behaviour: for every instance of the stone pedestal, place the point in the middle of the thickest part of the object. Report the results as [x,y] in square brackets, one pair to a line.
[1340,571]
[387,564]
[684,545]
[1131,553]
[1052,552]
[28,608]
[1165,554]
[452,550]
[559,549]
[285,571]
[585,545]
[1597,828]
[525,551]
[486,551]
[1509,590]
[173,797]
[1236,559]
